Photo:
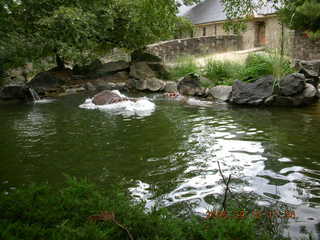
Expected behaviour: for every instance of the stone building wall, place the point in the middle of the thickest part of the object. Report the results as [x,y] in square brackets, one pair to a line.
[305,48]
[273,32]
[170,50]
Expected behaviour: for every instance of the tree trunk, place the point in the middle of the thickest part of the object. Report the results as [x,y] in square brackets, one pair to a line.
[60,62]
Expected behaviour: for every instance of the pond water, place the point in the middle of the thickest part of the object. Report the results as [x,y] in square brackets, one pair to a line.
[170,156]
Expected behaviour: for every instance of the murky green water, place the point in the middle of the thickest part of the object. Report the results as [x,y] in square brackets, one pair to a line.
[170,156]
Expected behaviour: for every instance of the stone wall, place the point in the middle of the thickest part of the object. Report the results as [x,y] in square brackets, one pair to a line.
[305,48]
[170,50]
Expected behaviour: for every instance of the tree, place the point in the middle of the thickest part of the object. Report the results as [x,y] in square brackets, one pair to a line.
[78,30]
[303,15]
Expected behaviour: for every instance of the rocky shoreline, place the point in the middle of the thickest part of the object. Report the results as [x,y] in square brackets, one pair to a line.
[147,73]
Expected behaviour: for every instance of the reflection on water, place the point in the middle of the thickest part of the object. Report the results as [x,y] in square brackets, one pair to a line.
[170,157]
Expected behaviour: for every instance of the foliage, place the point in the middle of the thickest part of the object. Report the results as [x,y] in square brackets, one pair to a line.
[81,30]
[183,66]
[303,15]
[222,72]
[83,211]
[226,72]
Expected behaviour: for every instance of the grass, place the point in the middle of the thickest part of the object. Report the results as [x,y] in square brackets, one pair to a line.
[83,211]
[183,66]
[220,72]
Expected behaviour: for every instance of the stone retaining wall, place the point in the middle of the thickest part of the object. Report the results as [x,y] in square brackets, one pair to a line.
[170,50]
[305,48]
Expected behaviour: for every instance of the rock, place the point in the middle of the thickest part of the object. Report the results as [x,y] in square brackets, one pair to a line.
[106,97]
[111,67]
[151,84]
[221,92]
[159,70]
[310,69]
[141,70]
[191,85]
[90,87]
[74,90]
[47,81]
[292,84]
[87,69]
[252,93]
[101,85]
[310,91]
[141,56]
[15,92]
[171,87]
[119,77]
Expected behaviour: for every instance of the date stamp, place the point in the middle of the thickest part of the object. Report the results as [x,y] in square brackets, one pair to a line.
[241,214]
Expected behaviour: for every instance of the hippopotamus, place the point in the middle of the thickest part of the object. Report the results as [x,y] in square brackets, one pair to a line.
[108,97]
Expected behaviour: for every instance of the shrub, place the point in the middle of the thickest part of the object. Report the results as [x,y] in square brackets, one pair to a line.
[183,66]
[41,212]
[262,64]
[222,72]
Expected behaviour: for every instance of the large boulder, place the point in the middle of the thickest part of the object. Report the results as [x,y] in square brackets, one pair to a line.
[190,85]
[142,56]
[15,92]
[143,77]
[159,70]
[111,68]
[311,70]
[46,81]
[292,91]
[292,84]
[150,84]
[252,93]
[119,77]
[106,97]
[222,93]
[97,69]
[171,87]
[141,70]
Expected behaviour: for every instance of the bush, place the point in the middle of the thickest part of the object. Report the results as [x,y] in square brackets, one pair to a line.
[183,66]
[41,212]
[222,72]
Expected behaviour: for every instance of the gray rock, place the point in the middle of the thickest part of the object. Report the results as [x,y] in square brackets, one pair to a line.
[15,92]
[90,87]
[112,67]
[151,84]
[310,91]
[74,90]
[141,70]
[221,92]
[171,86]
[119,77]
[191,85]
[310,69]
[160,70]
[141,56]
[292,84]
[45,81]
[252,93]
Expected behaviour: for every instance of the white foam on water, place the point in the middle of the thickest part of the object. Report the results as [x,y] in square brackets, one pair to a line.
[44,101]
[142,107]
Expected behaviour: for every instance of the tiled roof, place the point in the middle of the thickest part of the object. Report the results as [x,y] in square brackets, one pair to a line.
[212,11]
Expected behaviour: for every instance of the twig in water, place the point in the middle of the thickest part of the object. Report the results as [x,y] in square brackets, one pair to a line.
[226,182]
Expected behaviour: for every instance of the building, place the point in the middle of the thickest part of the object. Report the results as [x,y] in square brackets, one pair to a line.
[264,29]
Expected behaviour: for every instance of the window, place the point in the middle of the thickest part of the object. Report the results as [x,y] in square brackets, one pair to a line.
[215,29]
[204,31]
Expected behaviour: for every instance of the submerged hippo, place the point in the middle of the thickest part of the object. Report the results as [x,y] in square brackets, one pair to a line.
[109,97]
